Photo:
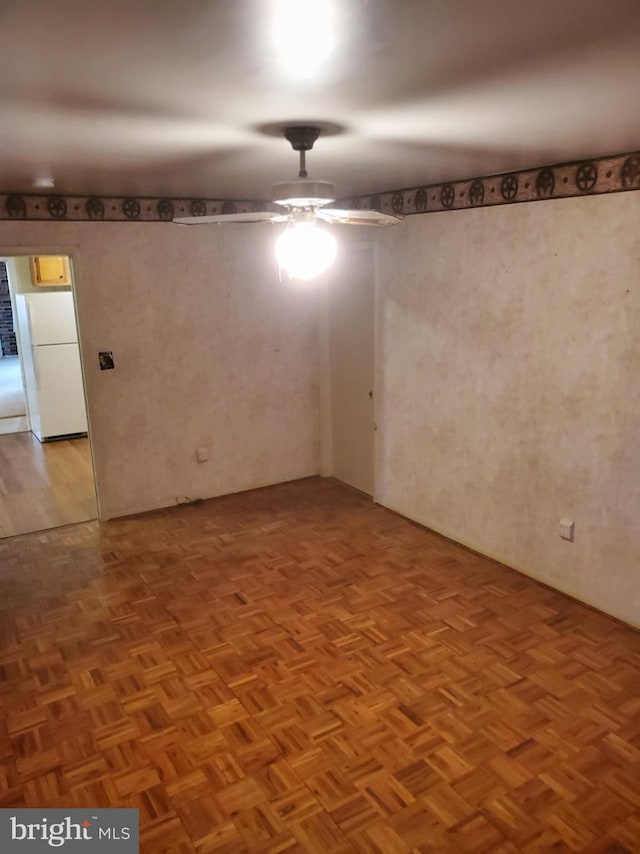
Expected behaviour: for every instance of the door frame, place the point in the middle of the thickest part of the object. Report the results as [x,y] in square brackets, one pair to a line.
[73,252]
[19,348]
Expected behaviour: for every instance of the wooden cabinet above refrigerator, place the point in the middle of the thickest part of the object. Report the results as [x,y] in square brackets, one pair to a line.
[50,270]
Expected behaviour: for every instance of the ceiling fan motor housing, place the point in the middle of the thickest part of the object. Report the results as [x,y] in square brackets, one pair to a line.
[304,193]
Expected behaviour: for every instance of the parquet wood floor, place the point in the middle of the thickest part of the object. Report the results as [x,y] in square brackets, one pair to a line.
[296,669]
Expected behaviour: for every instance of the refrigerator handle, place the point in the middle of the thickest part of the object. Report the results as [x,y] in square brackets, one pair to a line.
[29,321]
[35,367]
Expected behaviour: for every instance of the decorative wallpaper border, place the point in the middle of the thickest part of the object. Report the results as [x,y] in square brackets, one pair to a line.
[31,206]
[563,180]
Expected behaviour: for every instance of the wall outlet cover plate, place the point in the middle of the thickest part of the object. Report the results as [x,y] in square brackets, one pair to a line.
[566,529]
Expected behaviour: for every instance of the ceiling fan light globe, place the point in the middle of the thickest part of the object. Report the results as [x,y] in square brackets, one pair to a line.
[305,250]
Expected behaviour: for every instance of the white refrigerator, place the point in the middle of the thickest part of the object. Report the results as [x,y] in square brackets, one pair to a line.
[51,363]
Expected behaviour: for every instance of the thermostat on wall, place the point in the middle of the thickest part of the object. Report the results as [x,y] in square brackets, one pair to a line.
[106,360]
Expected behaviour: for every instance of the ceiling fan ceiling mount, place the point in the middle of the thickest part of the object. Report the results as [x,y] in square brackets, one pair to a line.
[301,137]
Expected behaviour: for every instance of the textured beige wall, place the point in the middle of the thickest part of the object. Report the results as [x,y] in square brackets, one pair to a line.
[210,350]
[509,395]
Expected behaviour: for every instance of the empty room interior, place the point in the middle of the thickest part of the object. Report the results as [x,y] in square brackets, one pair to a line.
[353,563]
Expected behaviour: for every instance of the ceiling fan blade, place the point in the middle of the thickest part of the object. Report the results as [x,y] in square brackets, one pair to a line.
[361,217]
[255,216]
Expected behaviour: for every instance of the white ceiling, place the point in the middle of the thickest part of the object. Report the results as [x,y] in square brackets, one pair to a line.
[171,97]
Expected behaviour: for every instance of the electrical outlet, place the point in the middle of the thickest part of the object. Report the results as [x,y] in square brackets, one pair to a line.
[202,454]
[567,529]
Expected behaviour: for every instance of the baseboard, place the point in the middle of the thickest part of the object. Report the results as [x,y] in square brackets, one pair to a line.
[178,500]
[135,509]
[508,564]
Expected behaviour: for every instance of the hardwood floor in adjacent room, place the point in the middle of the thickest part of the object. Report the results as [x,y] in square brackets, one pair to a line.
[44,485]
[298,669]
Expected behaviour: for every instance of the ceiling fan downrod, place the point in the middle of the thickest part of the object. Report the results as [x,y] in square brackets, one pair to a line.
[302,138]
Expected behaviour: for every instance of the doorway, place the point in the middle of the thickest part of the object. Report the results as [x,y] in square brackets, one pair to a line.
[349,342]
[46,464]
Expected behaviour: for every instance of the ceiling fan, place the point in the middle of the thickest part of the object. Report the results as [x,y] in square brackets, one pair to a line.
[304,250]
